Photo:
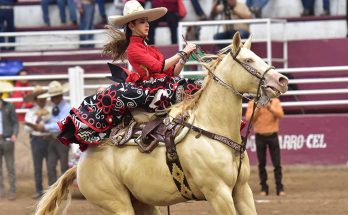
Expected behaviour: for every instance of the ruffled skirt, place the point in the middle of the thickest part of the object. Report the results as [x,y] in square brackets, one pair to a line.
[93,120]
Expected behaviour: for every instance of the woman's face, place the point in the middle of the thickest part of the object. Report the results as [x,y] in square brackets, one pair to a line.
[140,27]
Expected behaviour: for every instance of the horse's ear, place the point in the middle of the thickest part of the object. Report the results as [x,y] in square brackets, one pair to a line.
[236,42]
[247,43]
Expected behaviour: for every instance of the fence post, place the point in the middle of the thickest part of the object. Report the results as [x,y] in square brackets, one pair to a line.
[76,83]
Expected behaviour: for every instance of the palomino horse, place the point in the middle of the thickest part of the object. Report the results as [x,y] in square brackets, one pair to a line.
[126,182]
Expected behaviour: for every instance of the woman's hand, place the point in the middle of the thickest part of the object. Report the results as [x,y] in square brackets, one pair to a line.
[190,47]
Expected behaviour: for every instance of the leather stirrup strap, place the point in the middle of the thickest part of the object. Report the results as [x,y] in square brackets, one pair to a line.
[149,127]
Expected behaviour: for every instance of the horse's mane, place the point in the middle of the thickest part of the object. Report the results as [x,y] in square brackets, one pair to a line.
[210,63]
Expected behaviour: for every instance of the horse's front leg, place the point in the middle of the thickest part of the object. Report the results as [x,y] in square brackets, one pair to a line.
[220,197]
[242,194]
[244,200]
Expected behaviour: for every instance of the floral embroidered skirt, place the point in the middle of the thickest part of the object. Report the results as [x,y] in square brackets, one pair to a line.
[98,114]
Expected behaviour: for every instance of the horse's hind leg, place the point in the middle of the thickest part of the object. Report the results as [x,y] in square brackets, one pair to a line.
[115,203]
[110,195]
[144,209]
[244,200]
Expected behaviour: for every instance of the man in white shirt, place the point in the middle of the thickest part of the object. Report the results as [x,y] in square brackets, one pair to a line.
[56,151]
[39,140]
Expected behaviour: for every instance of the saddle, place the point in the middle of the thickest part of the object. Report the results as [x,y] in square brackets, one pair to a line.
[147,130]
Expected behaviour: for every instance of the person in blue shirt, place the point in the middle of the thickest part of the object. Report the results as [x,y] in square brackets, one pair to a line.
[7,20]
[60,109]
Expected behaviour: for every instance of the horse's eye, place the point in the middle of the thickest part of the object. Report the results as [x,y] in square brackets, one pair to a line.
[248,60]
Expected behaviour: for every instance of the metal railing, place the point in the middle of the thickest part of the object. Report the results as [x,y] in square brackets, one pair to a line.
[62,44]
[270,36]
[78,86]
[68,39]
[49,42]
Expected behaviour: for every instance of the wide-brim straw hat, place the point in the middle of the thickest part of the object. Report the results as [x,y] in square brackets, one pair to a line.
[133,10]
[38,90]
[5,87]
[55,89]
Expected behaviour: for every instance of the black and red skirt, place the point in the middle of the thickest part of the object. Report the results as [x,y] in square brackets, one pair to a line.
[98,114]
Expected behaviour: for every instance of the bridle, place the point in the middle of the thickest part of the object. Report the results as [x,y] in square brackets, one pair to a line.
[253,71]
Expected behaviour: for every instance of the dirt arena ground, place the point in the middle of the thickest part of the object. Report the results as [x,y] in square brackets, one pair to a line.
[319,191]
[310,190]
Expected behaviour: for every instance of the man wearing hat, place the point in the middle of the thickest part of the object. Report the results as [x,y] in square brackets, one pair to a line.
[8,135]
[60,110]
[39,141]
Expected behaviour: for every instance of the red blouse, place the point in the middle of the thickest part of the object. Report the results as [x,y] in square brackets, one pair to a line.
[146,60]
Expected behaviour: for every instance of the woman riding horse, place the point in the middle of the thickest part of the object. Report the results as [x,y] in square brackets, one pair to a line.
[121,180]
[154,85]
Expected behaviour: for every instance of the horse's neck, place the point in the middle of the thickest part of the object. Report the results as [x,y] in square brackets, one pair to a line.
[219,110]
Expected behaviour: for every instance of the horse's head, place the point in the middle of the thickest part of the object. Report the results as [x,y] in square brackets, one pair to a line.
[247,73]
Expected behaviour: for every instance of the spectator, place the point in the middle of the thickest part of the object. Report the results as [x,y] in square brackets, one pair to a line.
[21,94]
[198,10]
[38,140]
[61,6]
[231,10]
[142,2]
[60,110]
[6,94]
[308,8]
[8,135]
[266,127]
[171,18]
[256,6]
[101,7]
[86,9]
[7,20]
[193,32]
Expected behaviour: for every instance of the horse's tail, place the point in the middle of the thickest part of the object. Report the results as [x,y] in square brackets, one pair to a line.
[53,197]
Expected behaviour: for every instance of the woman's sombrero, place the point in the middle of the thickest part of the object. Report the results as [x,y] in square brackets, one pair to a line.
[133,10]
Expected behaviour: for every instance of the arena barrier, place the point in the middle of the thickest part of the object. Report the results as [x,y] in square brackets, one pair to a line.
[310,139]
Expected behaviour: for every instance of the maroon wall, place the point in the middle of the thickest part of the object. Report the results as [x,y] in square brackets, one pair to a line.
[309,53]
[313,53]
[310,139]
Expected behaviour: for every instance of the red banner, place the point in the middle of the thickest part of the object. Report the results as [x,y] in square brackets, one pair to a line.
[310,139]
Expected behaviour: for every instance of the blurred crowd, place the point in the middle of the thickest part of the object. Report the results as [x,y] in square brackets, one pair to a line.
[82,14]
[41,126]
